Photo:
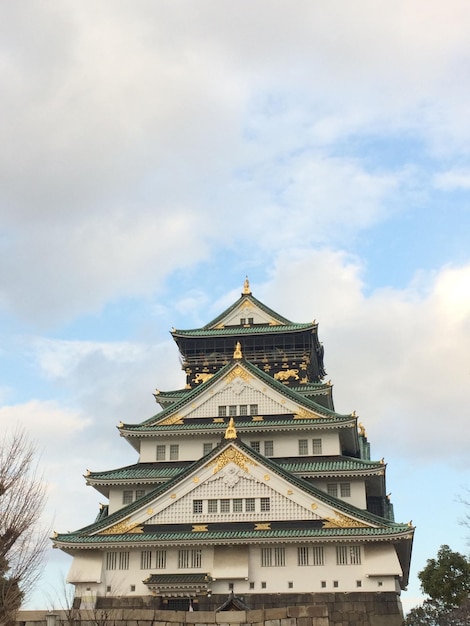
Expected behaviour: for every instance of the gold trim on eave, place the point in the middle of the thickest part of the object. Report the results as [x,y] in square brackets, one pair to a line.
[123,527]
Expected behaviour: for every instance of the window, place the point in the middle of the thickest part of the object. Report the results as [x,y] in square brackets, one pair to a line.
[243,409]
[161,453]
[348,555]
[250,505]
[232,410]
[123,560]
[146,559]
[253,409]
[212,506]
[132,587]
[206,448]
[317,449]
[222,411]
[127,497]
[111,560]
[318,557]
[323,584]
[139,493]
[255,445]
[290,585]
[197,506]
[250,320]
[279,557]
[225,506]
[242,321]
[252,585]
[345,490]
[335,583]
[189,558]
[302,555]
[358,583]
[266,557]
[237,505]
[230,586]
[174,452]
[268,448]
[303,447]
[265,504]
[160,559]
[263,585]
[332,489]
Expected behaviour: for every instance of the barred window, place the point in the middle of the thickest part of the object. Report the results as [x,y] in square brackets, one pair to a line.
[303,447]
[127,497]
[225,506]
[302,555]
[332,489]
[268,448]
[355,555]
[255,445]
[196,558]
[139,493]
[318,557]
[111,560]
[249,505]
[222,411]
[232,410]
[174,452]
[317,447]
[183,559]
[197,506]
[279,557]
[345,490]
[243,409]
[265,504]
[123,560]
[266,557]
[206,448]
[160,559]
[146,559]
[161,452]
[237,505]
[212,506]
[253,409]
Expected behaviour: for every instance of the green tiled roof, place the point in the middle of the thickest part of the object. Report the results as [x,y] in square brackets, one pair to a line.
[258,373]
[392,531]
[256,302]
[155,471]
[174,579]
[242,330]
[302,484]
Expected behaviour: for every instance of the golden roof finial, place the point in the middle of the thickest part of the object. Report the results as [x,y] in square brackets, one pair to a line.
[237,353]
[231,432]
[246,287]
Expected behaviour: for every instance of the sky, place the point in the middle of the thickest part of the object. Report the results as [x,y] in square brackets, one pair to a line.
[154,154]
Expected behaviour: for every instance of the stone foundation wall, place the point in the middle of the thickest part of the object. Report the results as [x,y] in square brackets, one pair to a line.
[355,609]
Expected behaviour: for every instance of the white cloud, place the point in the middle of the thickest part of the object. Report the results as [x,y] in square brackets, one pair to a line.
[453,179]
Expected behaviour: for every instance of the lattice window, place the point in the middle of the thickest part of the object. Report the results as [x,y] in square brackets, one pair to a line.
[174,452]
[212,506]
[332,489]
[253,409]
[222,412]
[225,506]
[317,446]
[127,497]
[232,410]
[206,448]
[345,490]
[250,505]
[255,445]
[237,505]
[139,493]
[303,447]
[243,409]
[197,506]
[265,504]
[161,452]
[146,559]
[269,448]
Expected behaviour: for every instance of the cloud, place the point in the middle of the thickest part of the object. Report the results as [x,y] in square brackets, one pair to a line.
[453,179]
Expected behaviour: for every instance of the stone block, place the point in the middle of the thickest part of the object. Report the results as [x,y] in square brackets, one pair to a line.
[198,617]
[288,621]
[304,621]
[255,615]
[229,617]
[275,613]
[272,622]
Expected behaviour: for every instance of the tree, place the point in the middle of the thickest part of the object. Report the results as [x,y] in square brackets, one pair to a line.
[22,541]
[447,578]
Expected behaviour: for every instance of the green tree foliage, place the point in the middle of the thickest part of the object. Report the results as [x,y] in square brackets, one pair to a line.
[22,541]
[447,578]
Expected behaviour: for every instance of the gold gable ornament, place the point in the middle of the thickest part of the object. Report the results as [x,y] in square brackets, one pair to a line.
[246,287]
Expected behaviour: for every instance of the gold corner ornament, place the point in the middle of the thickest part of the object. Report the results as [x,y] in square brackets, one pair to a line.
[237,353]
[124,527]
[173,419]
[238,372]
[362,430]
[342,521]
[231,431]
[246,287]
